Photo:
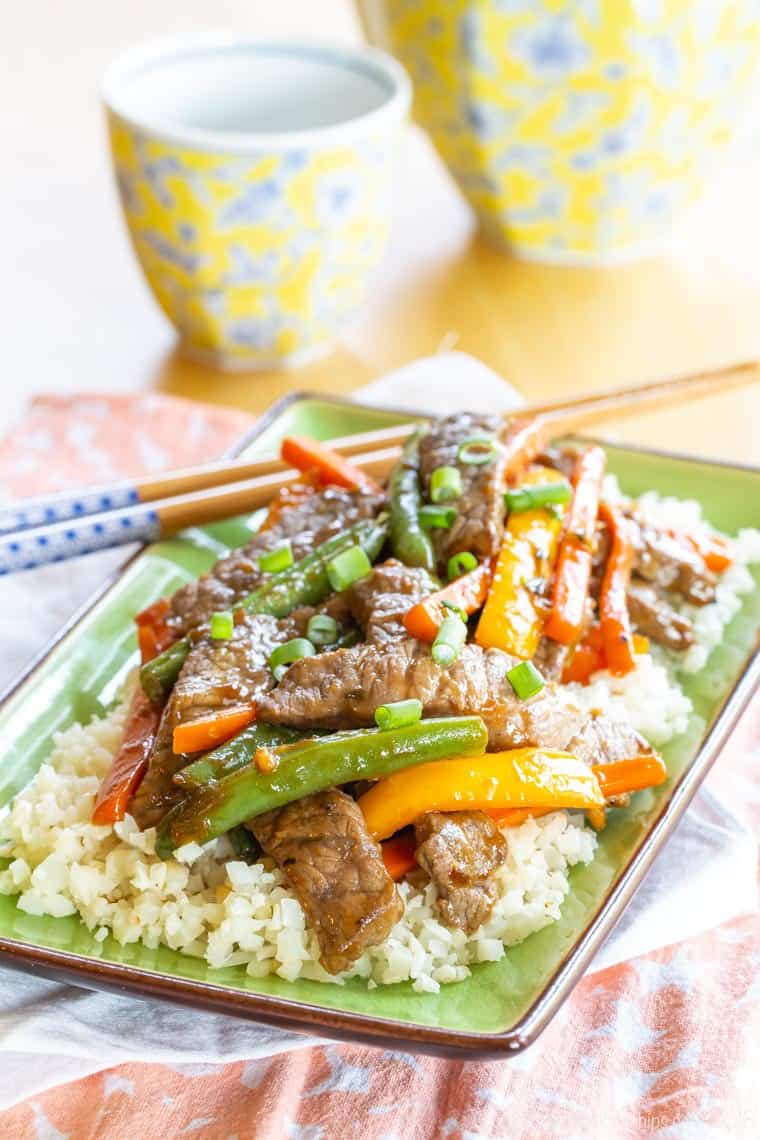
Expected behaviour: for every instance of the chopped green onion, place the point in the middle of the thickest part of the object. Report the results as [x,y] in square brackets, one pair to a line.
[541,495]
[399,714]
[445,483]
[436,517]
[222,625]
[460,564]
[457,610]
[525,679]
[477,450]
[284,655]
[322,629]
[273,561]
[347,568]
[451,636]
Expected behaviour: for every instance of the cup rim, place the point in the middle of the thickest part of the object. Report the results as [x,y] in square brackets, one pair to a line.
[369,60]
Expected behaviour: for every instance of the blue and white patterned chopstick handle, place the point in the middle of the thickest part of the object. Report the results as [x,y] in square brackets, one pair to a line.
[66,505]
[26,549]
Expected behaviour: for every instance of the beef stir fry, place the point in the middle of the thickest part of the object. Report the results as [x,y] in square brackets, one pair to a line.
[384,680]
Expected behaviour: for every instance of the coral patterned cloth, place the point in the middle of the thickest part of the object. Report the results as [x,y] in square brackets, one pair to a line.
[666,1045]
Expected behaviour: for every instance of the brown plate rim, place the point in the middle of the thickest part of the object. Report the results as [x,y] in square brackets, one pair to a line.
[344,1025]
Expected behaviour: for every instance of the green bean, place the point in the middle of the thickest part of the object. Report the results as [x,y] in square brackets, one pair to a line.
[302,584]
[243,844]
[410,543]
[157,677]
[313,766]
[233,754]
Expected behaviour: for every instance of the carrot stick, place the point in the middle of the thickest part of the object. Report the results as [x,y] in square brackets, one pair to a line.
[209,731]
[154,639]
[713,548]
[614,621]
[630,775]
[307,454]
[468,593]
[130,763]
[398,855]
[573,573]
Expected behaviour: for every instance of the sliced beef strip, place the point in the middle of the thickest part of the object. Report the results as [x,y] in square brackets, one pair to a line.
[216,674]
[307,525]
[656,619]
[379,601]
[562,459]
[460,850]
[550,658]
[480,509]
[603,740]
[336,869]
[343,688]
[670,565]
[661,560]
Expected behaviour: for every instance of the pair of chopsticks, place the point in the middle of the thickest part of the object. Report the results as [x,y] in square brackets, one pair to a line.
[43,530]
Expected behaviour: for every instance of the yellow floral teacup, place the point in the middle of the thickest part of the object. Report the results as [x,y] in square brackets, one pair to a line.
[578,130]
[256,183]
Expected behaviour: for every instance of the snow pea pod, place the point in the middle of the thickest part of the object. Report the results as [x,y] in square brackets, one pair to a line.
[314,765]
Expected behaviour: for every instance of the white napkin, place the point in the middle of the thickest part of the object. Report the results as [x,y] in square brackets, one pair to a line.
[52,1033]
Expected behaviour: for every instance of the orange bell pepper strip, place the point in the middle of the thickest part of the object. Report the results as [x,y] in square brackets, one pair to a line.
[616,779]
[308,455]
[513,817]
[399,855]
[521,777]
[614,621]
[467,593]
[574,564]
[209,731]
[512,619]
[130,763]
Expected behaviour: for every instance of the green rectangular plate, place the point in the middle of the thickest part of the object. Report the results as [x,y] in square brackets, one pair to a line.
[503,1005]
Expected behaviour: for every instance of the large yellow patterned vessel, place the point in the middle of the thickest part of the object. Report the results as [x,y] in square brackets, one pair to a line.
[579,130]
[258,242]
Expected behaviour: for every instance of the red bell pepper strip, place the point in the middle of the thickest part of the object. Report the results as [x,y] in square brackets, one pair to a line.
[615,624]
[399,855]
[573,573]
[130,763]
[308,455]
[153,613]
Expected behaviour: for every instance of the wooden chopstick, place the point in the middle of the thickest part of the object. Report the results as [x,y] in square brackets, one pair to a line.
[149,522]
[567,414]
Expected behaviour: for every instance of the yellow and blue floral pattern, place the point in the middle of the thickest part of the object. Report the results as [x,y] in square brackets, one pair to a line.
[578,130]
[257,259]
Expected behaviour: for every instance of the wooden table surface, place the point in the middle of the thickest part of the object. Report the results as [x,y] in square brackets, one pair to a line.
[77,316]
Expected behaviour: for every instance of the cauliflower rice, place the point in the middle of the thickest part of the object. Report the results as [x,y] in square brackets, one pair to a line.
[206,903]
